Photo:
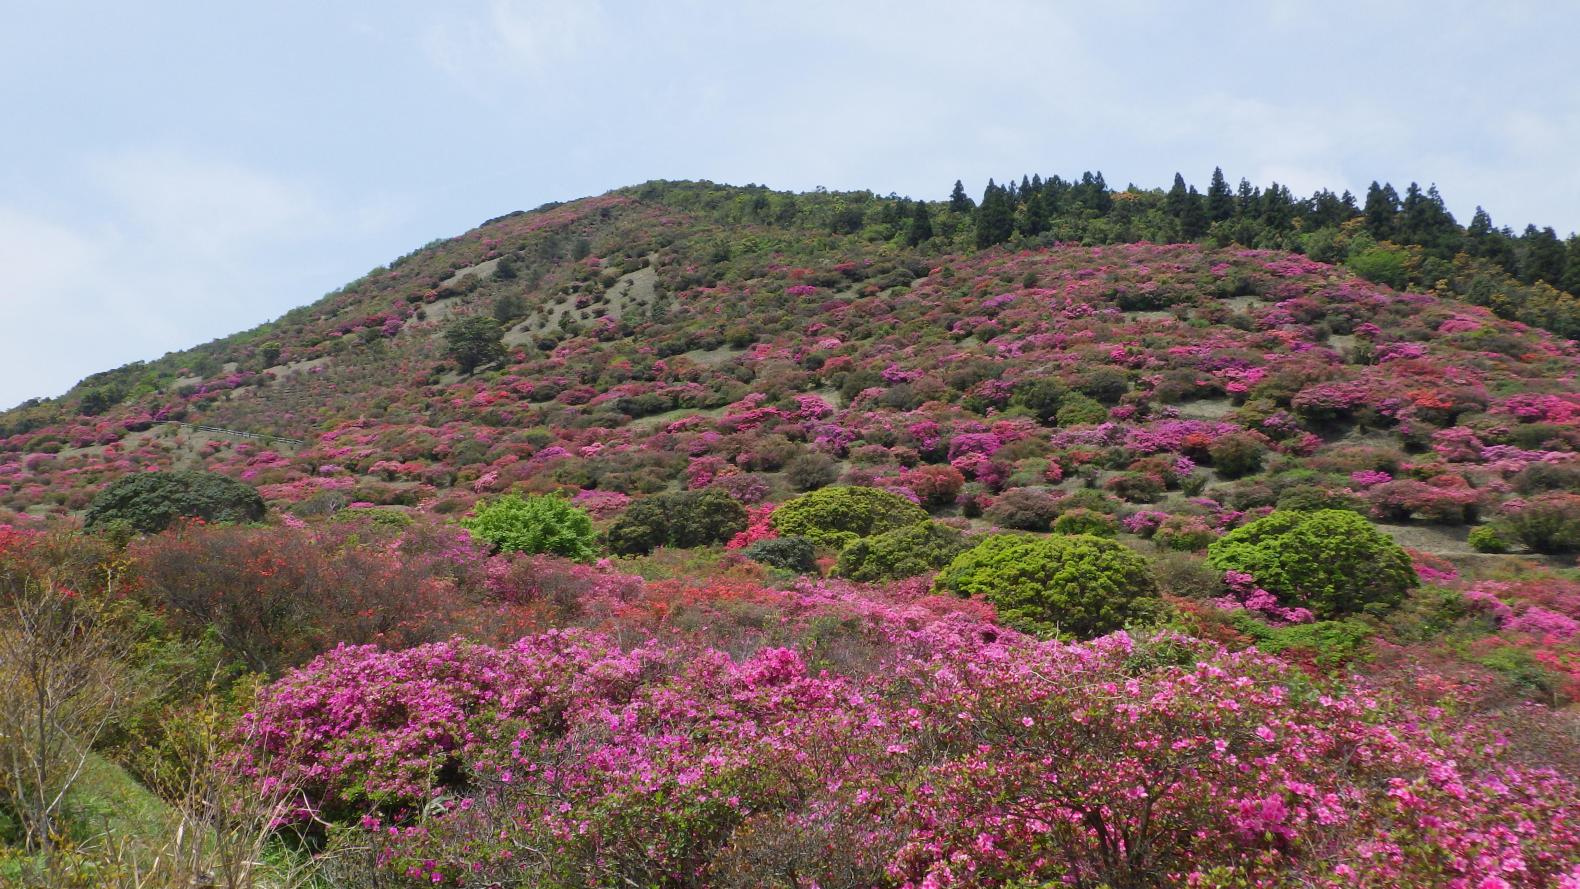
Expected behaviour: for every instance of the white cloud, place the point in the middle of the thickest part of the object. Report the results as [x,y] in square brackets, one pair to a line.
[514,37]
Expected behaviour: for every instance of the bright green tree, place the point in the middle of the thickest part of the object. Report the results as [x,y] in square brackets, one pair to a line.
[542,523]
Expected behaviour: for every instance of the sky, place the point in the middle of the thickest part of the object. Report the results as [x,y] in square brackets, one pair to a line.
[174,172]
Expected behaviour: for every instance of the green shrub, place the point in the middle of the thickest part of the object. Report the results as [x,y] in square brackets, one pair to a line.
[1308,498]
[1086,521]
[1185,533]
[901,553]
[685,519]
[1487,539]
[834,517]
[1076,409]
[1042,398]
[788,553]
[1025,509]
[1330,642]
[1136,487]
[543,523]
[1331,561]
[149,502]
[1237,454]
[808,472]
[1382,265]
[1080,585]
[1547,523]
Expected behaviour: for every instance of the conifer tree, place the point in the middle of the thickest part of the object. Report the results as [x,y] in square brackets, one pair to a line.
[1382,211]
[959,201]
[995,218]
[1174,204]
[1193,220]
[1545,256]
[1220,200]
[1248,200]
[921,225]
[1572,265]
[1039,212]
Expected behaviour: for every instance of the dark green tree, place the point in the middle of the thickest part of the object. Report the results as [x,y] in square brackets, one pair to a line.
[1039,211]
[921,228]
[959,201]
[1247,200]
[995,217]
[1544,256]
[473,341]
[1175,202]
[269,352]
[148,502]
[1426,221]
[1382,211]
[1572,265]
[1220,200]
[684,519]
[1193,219]
[508,307]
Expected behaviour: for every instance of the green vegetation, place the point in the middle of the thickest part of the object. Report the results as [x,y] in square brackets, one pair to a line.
[539,524]
[901,553]
[795,554]
[149,502]
[685,519]
[473,342]
[1331,561]
[1074,586]
[837,517]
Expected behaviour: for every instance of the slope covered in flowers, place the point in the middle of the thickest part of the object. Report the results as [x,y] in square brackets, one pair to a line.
[704,715]
[678,352]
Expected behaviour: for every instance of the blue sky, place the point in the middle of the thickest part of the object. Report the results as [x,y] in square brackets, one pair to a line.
[173,172]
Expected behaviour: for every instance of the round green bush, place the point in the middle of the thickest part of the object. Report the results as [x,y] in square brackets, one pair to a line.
[538,524]
[1079,585]
[1076,409]
[1331,561]
[685,519]
[148,502]
[1487,539]
[901,553]
[834,517]
[1237,454]
[1081,520]
[788,553]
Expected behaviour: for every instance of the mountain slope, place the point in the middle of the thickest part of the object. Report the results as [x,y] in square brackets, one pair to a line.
[637,322]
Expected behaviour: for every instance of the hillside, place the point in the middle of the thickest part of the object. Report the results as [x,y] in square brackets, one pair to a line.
[640,325]
[899,556]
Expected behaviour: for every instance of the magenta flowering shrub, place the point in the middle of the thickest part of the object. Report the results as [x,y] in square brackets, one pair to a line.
[1245,594]
[1124,763]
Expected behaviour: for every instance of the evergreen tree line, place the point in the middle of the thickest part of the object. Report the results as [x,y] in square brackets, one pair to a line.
[1248,214]
[1532,276]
